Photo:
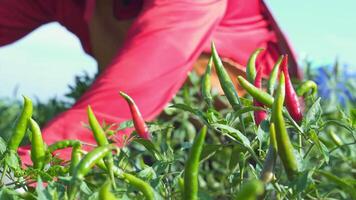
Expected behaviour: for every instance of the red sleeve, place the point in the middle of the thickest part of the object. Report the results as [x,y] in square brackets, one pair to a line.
[163,43]
[19,17]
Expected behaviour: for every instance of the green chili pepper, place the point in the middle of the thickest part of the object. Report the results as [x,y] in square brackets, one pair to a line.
[86,164]
[21,125]
[284,145]
[99,133]
[136,182]
[251,65]
[141,185]
[206,84]
[105,193]
[272,137]
[250,190]
[255,92]
[75,158]
[192,167]
[335,138]
[100,137]
[306,87]
[268,167]
[62,145]
[117,171]
[225,81]
[273,76]
[38,153]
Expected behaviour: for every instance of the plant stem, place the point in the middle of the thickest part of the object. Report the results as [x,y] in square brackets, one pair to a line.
[3,173]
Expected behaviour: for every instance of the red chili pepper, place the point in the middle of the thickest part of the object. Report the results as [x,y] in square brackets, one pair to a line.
[139,123]
[291,101]
[260,115]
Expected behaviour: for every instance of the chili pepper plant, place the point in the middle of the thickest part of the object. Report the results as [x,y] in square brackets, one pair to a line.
[275,142]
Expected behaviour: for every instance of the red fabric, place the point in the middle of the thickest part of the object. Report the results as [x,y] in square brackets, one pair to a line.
[162,45]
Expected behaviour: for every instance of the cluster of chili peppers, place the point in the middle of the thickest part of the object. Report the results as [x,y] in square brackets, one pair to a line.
[285,94]
[253,87]
[279,139]
[81,162]
[280,144]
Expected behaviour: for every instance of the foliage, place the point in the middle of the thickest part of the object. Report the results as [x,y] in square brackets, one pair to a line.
[43,111]
[232,157]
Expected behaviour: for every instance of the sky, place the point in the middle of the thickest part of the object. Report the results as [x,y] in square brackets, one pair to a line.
[44,62]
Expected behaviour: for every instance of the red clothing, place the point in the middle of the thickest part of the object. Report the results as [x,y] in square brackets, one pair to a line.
[163,43]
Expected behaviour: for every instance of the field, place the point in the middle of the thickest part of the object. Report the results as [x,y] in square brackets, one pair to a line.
[204,145]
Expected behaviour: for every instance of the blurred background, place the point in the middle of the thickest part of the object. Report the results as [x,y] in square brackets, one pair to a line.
[43,63]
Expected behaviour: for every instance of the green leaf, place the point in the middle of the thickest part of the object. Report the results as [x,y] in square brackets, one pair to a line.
[147,173]
[234,133]
[209,150]
[235,157]
[321,147]
[246,102]
[248,109]
[8,194]
[340,182]
[194,111]
[302,181]
[156,126]
[213,116]
[314,113]
[2,145]
[353,116]
[42,194]
[85,189]
[150,147]
[12,160]
[206,195]
[125,125]
[263,131]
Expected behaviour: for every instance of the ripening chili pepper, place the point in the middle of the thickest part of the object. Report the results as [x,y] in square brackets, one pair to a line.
[38,152]
[141,185]
[284,145]
[268,166]
[100,137]
[256,93]
[259,115]
[250,190]
[139,123]
[273,76]
[75,158]
[62,145]
[306,87]
[206,84]
[251,65]
[86,164]
[191,169]
[291,98]
[225,81]
[21,125]
[105,192]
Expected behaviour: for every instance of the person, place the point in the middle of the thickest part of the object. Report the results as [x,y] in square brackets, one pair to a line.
[145,48]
